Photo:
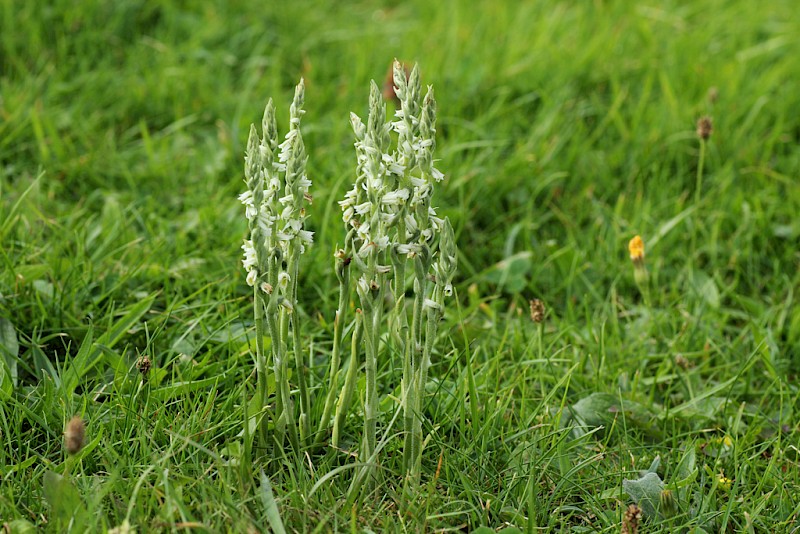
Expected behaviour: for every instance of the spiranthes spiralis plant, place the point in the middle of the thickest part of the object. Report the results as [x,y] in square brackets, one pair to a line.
[390,223]
[275,207]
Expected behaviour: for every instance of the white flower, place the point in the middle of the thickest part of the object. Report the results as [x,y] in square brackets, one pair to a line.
[436,221]
[382,242]
[448,289]
[437,174]
[393,166]
[306,236]
[408,248]
[363,231]
[363,208]
[284,279]
[250,260]
[411,223]
[252,276]
[265,223]
[395,198]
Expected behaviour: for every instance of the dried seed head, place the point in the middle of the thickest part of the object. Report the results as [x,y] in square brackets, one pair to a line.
[704,128]
[631,519]
[74,435]
[144,364]
[682,362]
[537,310]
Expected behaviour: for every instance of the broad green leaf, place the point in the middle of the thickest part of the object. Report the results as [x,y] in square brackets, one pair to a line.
[600,409]
[707,289]
[646,492]
[20,526]
[67,508]
[44,288]
[511,273]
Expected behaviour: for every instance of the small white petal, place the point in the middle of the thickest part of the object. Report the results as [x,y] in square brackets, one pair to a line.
[363,208]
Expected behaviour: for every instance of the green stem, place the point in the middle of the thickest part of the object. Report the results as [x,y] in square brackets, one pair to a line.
[277,368]
[699,185]
[371,371]
[698,196]
[333,375]
[299,358]
[346,395]
[291,423]
[261,361]
[413,362]
[430,335]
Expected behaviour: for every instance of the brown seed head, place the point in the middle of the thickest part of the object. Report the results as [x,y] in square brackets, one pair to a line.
[144,364]
[704,128]
[682,362]
[74,435]
[537,310]
[631,519]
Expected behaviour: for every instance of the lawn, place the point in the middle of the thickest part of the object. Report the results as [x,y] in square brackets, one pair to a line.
[564,129]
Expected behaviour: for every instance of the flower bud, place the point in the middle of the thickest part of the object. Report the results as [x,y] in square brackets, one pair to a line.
[74,435]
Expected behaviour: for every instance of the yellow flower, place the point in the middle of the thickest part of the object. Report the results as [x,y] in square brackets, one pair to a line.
[724,483]
[636,248]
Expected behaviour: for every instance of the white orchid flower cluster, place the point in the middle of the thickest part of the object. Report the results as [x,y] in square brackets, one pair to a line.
[276,221]
[389,204]
[275,206]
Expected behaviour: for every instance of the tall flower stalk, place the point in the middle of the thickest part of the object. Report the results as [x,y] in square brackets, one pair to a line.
[271,259]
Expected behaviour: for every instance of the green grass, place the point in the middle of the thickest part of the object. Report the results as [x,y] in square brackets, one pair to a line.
[565,128]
